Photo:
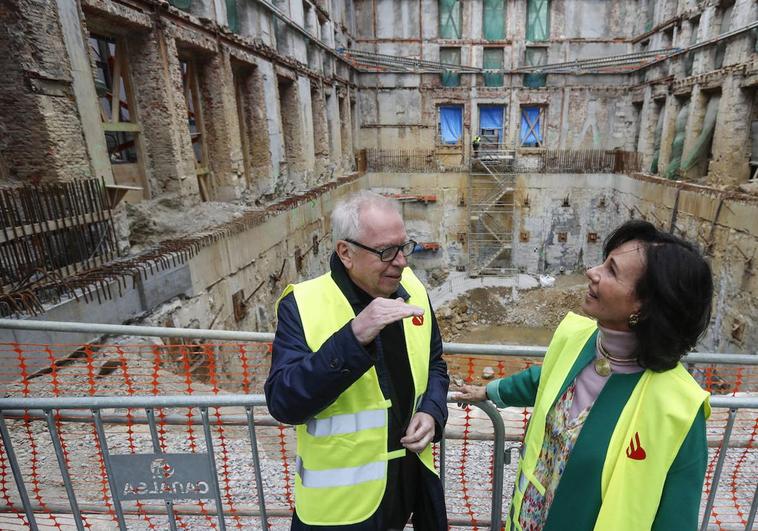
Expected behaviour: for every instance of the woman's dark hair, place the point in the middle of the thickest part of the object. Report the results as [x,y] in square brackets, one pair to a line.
[675,291]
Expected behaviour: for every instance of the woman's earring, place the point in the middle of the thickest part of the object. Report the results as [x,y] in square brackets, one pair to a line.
[634,320]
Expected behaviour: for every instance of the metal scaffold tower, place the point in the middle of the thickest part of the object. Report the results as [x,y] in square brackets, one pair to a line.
[490,209]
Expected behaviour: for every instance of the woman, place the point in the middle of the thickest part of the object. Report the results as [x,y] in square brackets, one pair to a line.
[616,440]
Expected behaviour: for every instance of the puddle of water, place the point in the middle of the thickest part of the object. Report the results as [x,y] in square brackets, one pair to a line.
[506,335]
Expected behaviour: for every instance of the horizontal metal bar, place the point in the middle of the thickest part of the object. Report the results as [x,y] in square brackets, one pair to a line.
[265,337]
[230,400]
[264,420]
[148,331]
[240,509]
[150,509]
[105,402]
[734,402]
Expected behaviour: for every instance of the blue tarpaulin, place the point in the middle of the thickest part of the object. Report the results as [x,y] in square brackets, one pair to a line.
[491,117]
[451,123]
[531,132]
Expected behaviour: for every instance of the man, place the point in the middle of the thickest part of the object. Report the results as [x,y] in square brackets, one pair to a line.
[475,144]
[357,366]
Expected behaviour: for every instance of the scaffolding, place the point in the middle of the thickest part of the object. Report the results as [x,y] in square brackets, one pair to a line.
[490,212]
[365,61]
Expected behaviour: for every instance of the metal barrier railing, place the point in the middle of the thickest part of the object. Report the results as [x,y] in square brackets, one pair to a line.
[119,469]
[732,454]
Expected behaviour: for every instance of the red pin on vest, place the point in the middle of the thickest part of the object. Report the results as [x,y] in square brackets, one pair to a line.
[418,320]
[635,451]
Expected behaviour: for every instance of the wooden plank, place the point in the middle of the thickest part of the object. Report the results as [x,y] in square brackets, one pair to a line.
[116,87]
[125,127]
[54,224]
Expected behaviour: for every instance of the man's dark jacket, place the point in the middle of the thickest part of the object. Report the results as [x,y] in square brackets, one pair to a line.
[302,383]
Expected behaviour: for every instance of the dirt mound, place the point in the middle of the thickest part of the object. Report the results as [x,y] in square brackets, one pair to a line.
[537,308]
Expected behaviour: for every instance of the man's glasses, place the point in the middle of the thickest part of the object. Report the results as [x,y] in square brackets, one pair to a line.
[388,254]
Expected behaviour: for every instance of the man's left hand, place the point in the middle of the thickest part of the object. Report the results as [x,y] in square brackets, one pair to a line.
[420,432]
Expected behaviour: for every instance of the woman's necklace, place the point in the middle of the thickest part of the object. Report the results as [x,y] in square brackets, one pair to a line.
[603,364]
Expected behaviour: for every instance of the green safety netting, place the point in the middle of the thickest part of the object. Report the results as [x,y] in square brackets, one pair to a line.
[232,18]
[535,57]
[657,142]
[450,19]
[450,56]
[493,19]
[182,4]
[537,20]
[702,146]
[677,145]
[493,59]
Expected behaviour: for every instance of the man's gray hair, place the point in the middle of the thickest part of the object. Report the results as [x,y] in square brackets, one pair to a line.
[346,216]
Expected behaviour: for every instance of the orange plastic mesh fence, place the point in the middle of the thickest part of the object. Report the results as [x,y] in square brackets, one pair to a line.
[152,367]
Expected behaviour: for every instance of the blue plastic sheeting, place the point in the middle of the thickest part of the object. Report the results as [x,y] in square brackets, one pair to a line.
[531,128]
[451,123]
[491,117]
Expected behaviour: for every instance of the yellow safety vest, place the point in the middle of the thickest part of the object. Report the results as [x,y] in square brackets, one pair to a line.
[657,417]
[342,452]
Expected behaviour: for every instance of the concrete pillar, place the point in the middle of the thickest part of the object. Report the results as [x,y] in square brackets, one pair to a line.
[290,113]
[320,134]
[170,160]
[254,128]
[222,127]
[306,130]
[84,88]
[346,132]
[731,138]
[648,119]
[41,135]
[698,101]
[333,118]
[270,93]
[670,110]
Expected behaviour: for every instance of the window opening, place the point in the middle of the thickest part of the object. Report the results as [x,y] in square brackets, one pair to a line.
[726,22]
[689,57]
[649,10]
[232,16]
[637,112]
[452,57]
[532,127]
[450,124]
[116,105]
[535,56]
[537,20]
[281,33]
[491,120]
[493,19]
[184,5]
[191,86]
[450,19]
[657,138]
[239,77]
[492,59]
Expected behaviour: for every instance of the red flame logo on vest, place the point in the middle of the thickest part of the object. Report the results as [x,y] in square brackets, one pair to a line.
[635,451]
[418,320]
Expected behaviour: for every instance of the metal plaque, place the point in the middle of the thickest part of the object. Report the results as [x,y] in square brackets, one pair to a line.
[162,476]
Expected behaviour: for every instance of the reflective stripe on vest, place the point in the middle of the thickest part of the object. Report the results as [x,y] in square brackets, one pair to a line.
[673,395]
[342,451]
[340,477]
[347,423]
